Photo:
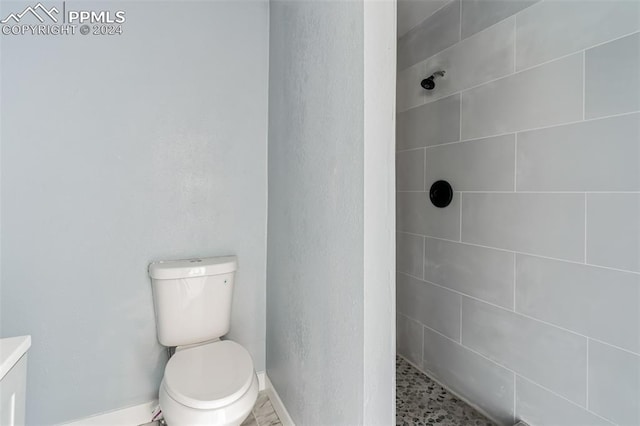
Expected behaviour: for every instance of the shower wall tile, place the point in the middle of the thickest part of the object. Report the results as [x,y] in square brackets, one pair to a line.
[578,157]
[417,215]
[536,124]
[483,57]
[434,34]
[409,93]
[470,375]
[412,12]
[410,170]
[478,15]
[549,289]
[612,77]
[543,96]
[557,359]
[410,254]
[614,384]
[480,272]
[546,224]
[430,124]
[409,338]
[613,230]
[478,165]
[430,305]
[538,406]
[551,29]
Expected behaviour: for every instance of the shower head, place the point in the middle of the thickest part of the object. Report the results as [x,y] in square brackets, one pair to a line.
[429,82]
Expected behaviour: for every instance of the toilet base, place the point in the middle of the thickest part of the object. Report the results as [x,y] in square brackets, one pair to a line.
[177,414]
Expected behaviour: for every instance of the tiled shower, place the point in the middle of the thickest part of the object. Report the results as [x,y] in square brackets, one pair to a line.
[523,295]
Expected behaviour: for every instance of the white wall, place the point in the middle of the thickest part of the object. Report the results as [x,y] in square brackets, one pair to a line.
[324,297]
[117,151]
[523,296]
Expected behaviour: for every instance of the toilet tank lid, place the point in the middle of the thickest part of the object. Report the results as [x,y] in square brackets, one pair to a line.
[188,268]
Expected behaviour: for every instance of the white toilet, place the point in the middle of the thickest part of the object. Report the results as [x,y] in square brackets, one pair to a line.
[207,381]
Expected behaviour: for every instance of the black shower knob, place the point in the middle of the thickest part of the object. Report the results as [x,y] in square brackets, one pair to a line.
[441,194]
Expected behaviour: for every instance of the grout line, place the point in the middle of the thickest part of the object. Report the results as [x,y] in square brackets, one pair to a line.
[575,262]
[409,149]
[522,314]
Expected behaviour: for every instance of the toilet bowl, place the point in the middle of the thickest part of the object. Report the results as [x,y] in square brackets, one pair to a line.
[212,383]
[207,381]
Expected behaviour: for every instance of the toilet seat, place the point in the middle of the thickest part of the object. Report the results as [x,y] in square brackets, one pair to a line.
[209,376]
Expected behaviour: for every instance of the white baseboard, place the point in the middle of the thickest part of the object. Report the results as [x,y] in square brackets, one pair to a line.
[140,414]
[130,416]
[278,406]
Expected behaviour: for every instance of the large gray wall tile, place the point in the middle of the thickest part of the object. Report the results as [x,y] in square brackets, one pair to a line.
[551,29]
[547,355]
[409,338]
[598,155]
[471,376]
[409,253]
[430,305]
[480,14]
[614,384]
[412,12]
[538,406]
[612,77]
[417,215]
[431,124]
[480,272]
[546,224]
[478,165]
[543,96]
[410,170]
[613,230]
[599,303]
[476,60]
[434,34]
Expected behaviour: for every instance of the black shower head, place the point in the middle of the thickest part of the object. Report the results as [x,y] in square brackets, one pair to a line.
[429,82]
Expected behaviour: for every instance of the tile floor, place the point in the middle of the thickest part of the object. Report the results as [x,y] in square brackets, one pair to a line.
[422,402]
[263,413]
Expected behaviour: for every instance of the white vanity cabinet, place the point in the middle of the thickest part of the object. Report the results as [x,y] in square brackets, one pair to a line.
[13,379]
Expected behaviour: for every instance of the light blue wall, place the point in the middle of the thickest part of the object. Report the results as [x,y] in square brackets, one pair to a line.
[315,244]
[117,151]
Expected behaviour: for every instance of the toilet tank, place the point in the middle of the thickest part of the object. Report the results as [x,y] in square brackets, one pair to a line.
[192,299]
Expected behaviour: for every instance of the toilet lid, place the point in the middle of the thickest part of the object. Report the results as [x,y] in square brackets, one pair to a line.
[209,376]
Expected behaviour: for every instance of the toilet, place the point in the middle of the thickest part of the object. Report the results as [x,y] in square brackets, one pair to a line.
[208,381]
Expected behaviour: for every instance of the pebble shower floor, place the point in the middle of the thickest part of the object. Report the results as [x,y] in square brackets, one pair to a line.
[422,402]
